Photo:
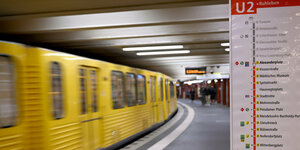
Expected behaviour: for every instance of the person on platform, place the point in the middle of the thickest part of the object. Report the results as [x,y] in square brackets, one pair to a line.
[213,94]
[207,95]
[192,94]
[187,93]
[202,95]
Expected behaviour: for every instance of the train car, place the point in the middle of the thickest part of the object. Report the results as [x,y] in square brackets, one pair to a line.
[53,100]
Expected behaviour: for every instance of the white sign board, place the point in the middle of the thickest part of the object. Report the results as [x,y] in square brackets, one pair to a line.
[265,74]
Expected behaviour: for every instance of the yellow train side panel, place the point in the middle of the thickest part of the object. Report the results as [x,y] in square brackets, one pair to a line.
[33,102]
[67,132]
[124,122]
[14,137]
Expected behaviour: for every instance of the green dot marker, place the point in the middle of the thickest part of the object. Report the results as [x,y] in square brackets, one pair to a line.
[242,123]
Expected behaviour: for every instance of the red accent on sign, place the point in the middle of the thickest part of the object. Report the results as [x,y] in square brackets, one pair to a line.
[254,108]
[242,109]
[239,7]
[236,63]
[277,3]
[254,133]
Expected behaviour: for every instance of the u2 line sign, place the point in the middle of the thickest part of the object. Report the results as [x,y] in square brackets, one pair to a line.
[265,74]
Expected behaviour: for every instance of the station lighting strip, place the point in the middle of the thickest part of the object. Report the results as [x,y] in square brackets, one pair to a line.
[225,44]
[194,81]
[163,52]
[199,81]
[152,48]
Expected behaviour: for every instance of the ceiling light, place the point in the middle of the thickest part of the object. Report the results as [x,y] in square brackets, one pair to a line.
[227,49]
[197,81]
[163,52]
[152,48]
[225,44]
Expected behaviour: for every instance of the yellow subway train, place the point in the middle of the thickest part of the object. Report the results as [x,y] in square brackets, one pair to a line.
[53,100]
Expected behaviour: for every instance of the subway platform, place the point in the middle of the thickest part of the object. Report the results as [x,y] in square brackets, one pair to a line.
[194,127]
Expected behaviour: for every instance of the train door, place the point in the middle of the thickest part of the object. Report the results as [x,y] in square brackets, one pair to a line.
[167,97]
[153,99]
[89,102]
[161,100]
[172,100]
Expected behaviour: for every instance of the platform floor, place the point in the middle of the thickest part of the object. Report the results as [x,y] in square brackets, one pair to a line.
[210,129]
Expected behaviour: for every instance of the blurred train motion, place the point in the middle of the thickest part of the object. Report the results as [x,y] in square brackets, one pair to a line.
[53,100]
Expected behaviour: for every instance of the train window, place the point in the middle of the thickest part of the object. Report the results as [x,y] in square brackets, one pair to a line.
[141,89]
[83,91]
[161,90]
[57,97]
[172,93]
[166,89]
[117,89]
[152,89]
[93,78]
[131,89]
[8,107]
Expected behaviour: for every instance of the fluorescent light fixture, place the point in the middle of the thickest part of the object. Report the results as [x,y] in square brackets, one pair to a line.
[188,83]
[163,52]
[193,82]
[225,44]
[197,81]
[152,48]
[227,49]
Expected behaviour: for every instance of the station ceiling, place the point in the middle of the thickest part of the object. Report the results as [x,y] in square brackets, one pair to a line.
[100,29]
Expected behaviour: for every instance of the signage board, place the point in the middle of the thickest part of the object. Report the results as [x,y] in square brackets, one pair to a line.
[265,74]
[198,71]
